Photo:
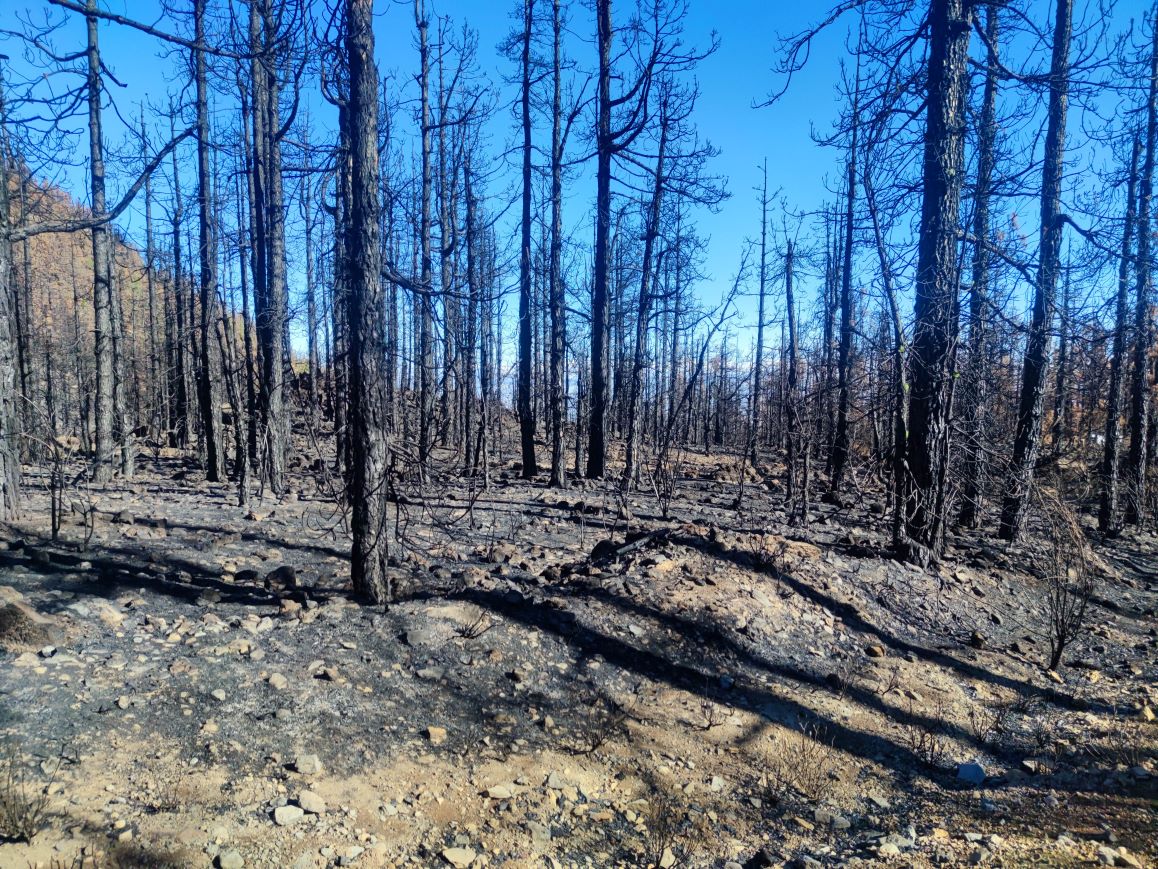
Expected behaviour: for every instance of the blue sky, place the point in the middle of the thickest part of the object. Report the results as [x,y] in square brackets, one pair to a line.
[740,73]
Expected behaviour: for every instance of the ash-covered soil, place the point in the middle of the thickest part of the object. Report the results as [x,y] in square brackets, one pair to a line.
[567,679]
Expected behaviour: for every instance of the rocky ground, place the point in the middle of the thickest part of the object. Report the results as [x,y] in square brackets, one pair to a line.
[566,680]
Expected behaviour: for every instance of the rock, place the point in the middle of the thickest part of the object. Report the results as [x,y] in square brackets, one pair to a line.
[312,803]
[971,773]
[307,764]
[540,834]
[875,651]
[880,802]
[1107,856]
[230,860]
[436,735]
[1147,714]
[888,849]
[282,577]
[285,816]
[22,625]
[459,858]
[667,860]
[426,636]
[499,792]
[977,641]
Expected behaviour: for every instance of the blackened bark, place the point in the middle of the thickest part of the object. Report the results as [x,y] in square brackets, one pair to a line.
[758,363]
[366,316]
[1027,442]
[9,438]
[1111,454]
[526,412]
[207,250]
[977,371]
[425,301]
[180,408]
[643,309]
[597,396]
[935,330]
[792,411]
[1138,457]
[102,267]
[840,443]
[557,301]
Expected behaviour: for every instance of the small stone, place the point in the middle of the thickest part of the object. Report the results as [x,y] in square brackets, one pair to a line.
[888,849]
[875,651]
[219,695]
[437,736]
[1107,856]
[284,576]
[47,651]
[230,860]
[307,764]
[971,773]
[667,860]
[459,858]
[278,682]
[499,792]
[285,816]
[312,803]
[1147,714]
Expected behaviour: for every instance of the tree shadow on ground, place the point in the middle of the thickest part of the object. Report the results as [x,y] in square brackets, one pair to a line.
[852,618]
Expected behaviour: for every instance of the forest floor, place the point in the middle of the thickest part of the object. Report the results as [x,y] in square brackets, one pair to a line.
[193,685]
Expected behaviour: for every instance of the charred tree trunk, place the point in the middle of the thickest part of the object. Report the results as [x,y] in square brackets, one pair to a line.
[1027,442]
[207,250]
[935,333]
[977,373]
[597,394]
[557,301]
[425,301]
[1111,454]
[791,399]
[758,362]
[643,309]
[9,419]
[1138,457]
[102,268]
[526,411]
[366,306]
[840,442]
[180,416]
